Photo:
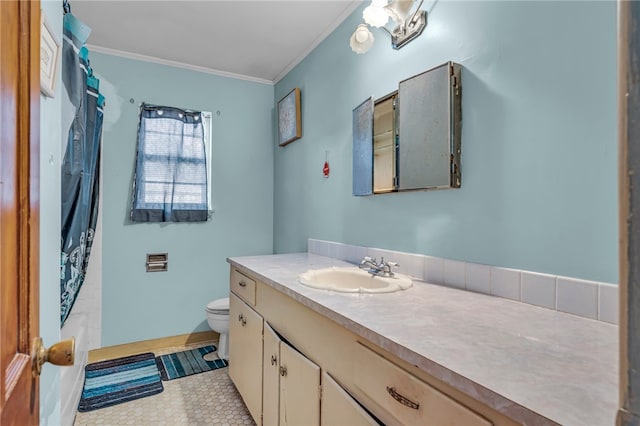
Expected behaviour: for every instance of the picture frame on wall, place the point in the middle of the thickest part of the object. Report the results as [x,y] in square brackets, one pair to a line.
[49,54]
[289,118]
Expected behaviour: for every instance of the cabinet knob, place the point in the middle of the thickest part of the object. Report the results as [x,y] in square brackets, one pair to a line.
[283,370]
[274,360]
[242,284]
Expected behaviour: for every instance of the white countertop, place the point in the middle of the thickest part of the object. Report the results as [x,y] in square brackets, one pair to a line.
[532,364]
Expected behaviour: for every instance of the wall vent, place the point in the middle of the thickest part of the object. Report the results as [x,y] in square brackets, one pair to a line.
[157,262]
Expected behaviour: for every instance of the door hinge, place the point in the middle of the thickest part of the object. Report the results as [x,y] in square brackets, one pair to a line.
[454,81]
[320,392]
[262,419]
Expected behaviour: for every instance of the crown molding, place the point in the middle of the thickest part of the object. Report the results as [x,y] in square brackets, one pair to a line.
[154,60]
[348,10]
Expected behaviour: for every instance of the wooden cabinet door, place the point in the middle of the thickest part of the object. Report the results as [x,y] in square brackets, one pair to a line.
[245,354]
[270,377]
[299,388]
[338,408]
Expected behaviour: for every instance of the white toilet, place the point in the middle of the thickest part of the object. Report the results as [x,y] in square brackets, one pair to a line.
[218,319]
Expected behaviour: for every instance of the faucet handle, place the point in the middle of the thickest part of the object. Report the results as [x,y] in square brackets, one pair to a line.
[386,268]
[383,263]
[367,261]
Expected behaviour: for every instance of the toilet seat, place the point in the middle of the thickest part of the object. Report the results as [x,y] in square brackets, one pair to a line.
[219,306]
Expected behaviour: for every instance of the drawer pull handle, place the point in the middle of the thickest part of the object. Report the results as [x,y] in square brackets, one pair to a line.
[242,284]
[274,360]
[283,371]
[402,399]
[242,319]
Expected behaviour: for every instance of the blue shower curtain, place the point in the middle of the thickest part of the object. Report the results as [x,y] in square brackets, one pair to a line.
[80,166]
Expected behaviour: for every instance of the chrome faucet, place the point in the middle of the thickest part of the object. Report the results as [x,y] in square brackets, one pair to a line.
[380,269]
[370,263]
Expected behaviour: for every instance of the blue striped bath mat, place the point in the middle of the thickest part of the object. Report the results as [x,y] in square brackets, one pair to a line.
[119,380]
[186,363]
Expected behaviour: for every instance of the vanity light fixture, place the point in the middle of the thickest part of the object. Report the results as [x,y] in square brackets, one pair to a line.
[408,24]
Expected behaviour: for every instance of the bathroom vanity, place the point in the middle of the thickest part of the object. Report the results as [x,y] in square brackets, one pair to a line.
[429,355]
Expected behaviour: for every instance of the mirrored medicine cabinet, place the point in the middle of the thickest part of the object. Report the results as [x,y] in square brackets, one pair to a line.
[410,139]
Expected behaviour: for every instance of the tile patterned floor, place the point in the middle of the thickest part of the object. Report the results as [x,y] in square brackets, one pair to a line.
[208,398]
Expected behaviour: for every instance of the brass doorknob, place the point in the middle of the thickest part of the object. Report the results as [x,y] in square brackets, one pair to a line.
[61,353]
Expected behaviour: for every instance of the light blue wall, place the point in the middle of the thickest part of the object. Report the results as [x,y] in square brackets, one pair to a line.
[138,305]
[539,141]
[50,178]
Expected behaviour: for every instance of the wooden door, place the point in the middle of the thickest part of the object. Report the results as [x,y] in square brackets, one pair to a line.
[19,208]
[339,408]
[299,388]
[270,376]
[245,354]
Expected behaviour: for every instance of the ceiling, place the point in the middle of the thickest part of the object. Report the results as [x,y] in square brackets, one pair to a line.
[253,40]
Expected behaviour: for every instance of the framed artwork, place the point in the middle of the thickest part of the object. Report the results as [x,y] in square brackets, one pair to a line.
[289,118]
[49,53]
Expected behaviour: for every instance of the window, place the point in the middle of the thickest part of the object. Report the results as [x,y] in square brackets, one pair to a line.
[173,171]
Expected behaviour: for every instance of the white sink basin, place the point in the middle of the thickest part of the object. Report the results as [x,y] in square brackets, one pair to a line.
[353,280]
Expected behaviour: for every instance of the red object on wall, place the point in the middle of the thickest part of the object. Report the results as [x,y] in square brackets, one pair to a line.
[326,169]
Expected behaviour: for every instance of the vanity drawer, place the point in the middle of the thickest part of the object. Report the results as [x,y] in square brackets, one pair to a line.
[243,286]
[406,398]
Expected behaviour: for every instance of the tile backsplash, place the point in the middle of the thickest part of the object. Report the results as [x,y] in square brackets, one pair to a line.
[587,299]
[539,289]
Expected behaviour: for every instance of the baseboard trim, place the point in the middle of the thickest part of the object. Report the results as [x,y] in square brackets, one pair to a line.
[151,345]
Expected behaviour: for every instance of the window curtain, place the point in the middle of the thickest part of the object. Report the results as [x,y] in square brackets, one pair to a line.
[80,184]
[170,183]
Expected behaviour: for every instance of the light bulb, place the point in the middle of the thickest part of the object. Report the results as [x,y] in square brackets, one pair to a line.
[375,15]
[361,40]
[362,35]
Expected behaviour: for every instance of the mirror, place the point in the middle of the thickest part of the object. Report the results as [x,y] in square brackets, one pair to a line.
[410,139]
[429,111]
[363,148]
